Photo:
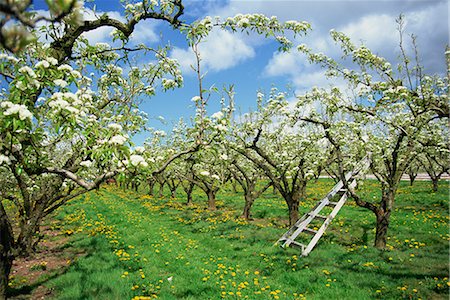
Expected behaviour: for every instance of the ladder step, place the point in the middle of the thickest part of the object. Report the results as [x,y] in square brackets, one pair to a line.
[310,231]
[298,245]
[342,190]
[318,216]
[332,203]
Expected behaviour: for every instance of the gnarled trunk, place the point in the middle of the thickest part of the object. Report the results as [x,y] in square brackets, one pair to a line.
[161,189]
[382,229]
[293,205]
[383,214]
[26,238]
[211,199]
[435,181]
[173,192]
[151,186]
[6,251]
[188,190]
[412,178]
[249,200]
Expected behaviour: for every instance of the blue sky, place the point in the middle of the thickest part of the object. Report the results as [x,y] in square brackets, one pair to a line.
[252,63]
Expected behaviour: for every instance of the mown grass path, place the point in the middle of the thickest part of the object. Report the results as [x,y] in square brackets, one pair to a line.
[140,247]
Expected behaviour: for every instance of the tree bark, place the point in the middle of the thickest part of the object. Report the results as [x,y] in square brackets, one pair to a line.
[211,199]
[249,200]
[293,209]
[383,214]
[188,189]
[435,181]
[173,192]
[151,185]
[412,178]
[6,251]
[161,189]
[382,228]
[26,238]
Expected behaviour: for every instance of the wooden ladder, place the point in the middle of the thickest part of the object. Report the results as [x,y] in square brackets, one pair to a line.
[301,226]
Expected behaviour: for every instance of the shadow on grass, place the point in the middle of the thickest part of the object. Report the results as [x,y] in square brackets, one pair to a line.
[25,291]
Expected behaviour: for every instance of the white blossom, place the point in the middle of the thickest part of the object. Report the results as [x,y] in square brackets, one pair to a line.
[86,163]
[139,149]
[221,127]
[204,173]
[13,109]
[21,86]
[215,177]
[217,115]
[45,64]
[168,83]
[118,140]
[58,104]
[65,67]
[75,74]
[52,60]
[115,126]
[196,98]
[137,160]
[27,70]
[60,82]
[4,159]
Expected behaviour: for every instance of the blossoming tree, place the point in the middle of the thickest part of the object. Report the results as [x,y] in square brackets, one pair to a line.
[390,114]
[67,112]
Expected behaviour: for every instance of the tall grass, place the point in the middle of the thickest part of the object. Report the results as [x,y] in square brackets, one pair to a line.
[139,246]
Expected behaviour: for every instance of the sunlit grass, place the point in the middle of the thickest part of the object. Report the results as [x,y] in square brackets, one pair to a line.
[139,246]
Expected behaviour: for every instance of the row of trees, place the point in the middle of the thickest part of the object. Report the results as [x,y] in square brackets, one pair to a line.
[68,110]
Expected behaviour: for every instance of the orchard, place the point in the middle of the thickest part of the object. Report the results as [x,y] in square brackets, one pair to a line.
[205,199]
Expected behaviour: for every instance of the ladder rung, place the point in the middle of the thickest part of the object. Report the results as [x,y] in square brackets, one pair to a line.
[318,216]
[332,203]
[297,244]
[321,217]
[310,231]
[342,190]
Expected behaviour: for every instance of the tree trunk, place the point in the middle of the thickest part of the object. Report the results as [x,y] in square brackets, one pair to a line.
[134,186]
[233,186]
[173,192]
[6,248]
[25,240]
[412,177]
[249,200]
[161,190]
[188,191]
[151,185]
[382,228]
[435,181]
[293,209]
[383,214]
[211,199]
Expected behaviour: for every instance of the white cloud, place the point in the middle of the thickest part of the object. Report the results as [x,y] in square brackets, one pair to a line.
[316,78]
[221,50]
[283,63]
[378,32]
[145,31]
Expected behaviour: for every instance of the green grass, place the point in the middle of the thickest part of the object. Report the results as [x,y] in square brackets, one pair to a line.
[136,244]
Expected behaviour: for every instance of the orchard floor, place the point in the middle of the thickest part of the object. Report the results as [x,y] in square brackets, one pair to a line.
[120,244]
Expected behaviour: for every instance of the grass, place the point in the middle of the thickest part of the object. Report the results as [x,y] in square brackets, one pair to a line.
[138,246]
